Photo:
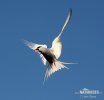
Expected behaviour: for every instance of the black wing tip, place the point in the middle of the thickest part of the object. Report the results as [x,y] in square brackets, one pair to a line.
[70,11]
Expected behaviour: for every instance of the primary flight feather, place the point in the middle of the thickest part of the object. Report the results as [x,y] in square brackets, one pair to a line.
[50,56]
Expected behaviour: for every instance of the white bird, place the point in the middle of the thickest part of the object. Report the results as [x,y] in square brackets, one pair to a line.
[50,56]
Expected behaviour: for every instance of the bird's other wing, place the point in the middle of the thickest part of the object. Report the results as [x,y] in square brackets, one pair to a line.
[56,44]
[66,22]
[56,47]
[33,46]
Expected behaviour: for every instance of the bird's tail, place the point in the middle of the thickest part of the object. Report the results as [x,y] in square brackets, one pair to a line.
[55,66]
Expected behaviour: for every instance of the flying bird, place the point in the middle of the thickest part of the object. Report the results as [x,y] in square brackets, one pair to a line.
[50,56]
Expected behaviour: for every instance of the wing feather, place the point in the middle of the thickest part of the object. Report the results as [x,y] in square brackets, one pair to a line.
[56,44]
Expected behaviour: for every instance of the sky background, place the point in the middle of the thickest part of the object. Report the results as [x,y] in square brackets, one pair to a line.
[40,21]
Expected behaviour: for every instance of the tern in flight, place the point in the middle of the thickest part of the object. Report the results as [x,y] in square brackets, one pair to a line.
[50,56]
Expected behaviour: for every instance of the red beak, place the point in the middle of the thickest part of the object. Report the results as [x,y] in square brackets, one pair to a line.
[36,50]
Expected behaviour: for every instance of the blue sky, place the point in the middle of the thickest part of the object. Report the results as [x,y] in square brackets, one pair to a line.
[21,70]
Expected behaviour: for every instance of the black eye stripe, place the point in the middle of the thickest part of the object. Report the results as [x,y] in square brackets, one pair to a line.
[39,47]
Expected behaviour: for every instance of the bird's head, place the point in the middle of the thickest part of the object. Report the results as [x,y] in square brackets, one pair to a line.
[40,49]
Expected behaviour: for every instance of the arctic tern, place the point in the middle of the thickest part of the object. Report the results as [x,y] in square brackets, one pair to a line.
[50,56]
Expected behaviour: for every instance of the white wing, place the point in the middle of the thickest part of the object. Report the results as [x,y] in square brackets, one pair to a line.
[66,22]
[56,47]
[33,46]
[56,44]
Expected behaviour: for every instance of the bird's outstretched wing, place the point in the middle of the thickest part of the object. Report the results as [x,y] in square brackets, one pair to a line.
[56,44]
[33,46]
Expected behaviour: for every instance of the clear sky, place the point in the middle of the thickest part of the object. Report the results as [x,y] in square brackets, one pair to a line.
[39,21]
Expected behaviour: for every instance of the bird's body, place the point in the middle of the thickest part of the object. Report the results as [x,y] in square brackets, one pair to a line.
[50,56]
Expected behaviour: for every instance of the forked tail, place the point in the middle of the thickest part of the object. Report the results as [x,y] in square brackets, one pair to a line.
[55,66]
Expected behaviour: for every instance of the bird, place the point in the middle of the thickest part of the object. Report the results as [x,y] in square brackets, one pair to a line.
[51,55]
